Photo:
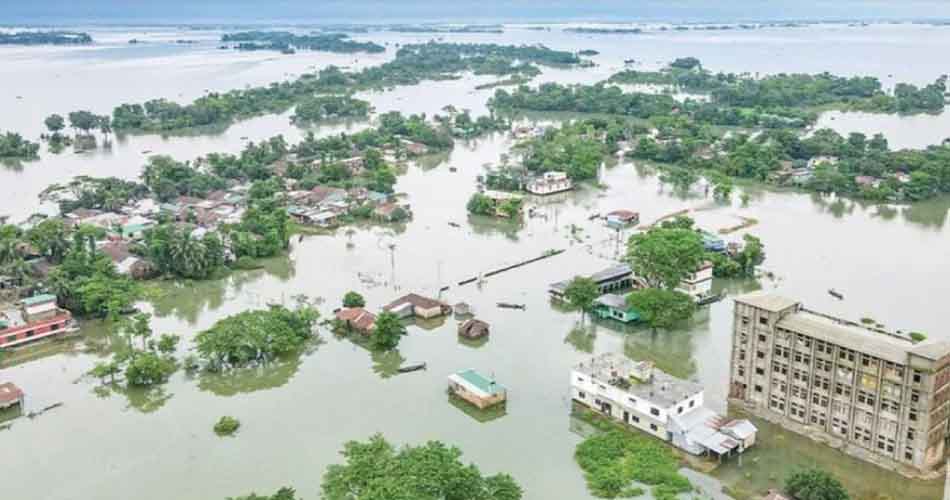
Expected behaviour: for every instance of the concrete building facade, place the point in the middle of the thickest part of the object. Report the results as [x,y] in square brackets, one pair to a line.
[883,396]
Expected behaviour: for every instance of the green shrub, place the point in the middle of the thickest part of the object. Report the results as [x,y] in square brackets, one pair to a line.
[227,426]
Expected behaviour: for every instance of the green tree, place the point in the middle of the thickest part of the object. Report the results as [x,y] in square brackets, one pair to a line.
[55,123]
[148,368]
[255,336]
[83,121]
[281,494]
[106,369]
[388,331]
[581,292]
[375,469]
[167,344]
[665,256]
[815,484]
[661,308]
[353,299]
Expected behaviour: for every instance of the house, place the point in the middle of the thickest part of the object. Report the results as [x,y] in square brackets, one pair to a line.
[358,319]
[477,389]
[10,396]
[354,165]
[614,278]
[33,319]
[619,219]
[125,262]
[818,160]
[645,398]
[414,148]
[473,329]
[462,309]
[698,284]
[549,183]
[416,305]
[867,181]
[613,306]
[392,211]
[711,242]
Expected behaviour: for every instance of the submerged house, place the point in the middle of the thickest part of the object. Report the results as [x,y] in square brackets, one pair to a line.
[477,389]
[613,306]
[698,284]
[666,407]
[416,305]
[549,183]
[357,318]
[619,219]
[10,396]
[35,318]
[612,279]
[473,329]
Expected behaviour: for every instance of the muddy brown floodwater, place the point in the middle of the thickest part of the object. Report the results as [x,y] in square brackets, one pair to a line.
[889,261]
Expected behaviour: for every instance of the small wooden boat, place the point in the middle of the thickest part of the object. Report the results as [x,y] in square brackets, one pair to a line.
[454,224]
[411,368]
[508,305]
[453,169]
[836,294]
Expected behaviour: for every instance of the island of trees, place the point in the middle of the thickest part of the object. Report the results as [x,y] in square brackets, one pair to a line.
[412,64]
[45,38]
[287,42]
[14,147]
[319,108]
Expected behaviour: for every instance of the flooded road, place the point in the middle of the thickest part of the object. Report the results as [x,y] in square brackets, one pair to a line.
[890,262]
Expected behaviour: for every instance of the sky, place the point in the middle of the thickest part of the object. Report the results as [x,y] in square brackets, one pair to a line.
[377,11]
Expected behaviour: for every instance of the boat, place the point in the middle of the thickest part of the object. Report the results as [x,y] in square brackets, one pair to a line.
[454,224]
[411,368]
[629,61]
[508,305]
[836,294]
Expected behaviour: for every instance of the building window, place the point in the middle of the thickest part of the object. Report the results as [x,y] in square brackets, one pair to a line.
[635,418]
[763,320]
[654,412]
[653,427]
[29,333]
[745,320]
[580,379]
[581,395]
[692,403]
[679,410]
[632,401]
[759,371]
[761,338]
[917,377]
[760,354]
[758,388]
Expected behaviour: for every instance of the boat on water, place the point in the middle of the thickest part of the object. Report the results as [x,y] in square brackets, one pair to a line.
[411,368]
[836,294]
[508,305]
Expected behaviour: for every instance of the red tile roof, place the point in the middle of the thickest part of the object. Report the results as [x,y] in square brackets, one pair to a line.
[9,393]
[359,318]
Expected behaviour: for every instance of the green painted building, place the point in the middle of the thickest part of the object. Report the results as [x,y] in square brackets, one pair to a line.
[613,306]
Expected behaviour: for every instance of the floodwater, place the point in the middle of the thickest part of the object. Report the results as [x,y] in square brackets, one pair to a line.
[889,261]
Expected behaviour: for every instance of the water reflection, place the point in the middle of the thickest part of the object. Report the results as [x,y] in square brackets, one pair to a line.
[931,214]
[582,337]
[778,452]
[386,363]
[481,416]
[489,226]
[266,376]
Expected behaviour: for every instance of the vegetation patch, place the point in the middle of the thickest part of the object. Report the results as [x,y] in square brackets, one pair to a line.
[614,459]
[226,426]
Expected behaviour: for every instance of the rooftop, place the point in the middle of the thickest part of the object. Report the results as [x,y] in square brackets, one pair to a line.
[844,333]
[767,301]
[9,393]
[39,299]
[661,389]
[612,300]
[416,300]
[473,379]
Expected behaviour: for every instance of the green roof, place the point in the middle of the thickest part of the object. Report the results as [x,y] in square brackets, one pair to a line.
[39,299]
[479,381]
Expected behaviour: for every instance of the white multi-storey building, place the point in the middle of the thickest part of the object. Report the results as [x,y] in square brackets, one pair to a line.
[657,403]
[550,183]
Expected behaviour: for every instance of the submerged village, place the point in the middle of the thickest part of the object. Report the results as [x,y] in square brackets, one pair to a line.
[90,269]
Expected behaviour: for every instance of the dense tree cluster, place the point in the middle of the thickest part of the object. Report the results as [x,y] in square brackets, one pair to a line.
[412,64]
[433,471]
[45,38]
[14,147]
[285,41]
[329,106]
[86,281]
[255,336]
[175,251]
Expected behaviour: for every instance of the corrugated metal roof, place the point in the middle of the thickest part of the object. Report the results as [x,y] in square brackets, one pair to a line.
[39,299]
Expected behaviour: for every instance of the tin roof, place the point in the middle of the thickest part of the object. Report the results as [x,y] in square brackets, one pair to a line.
[39,299]
[767,301]
[474,380]
[9,393]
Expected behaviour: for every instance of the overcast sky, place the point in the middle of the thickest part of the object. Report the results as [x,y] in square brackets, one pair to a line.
[376,11]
